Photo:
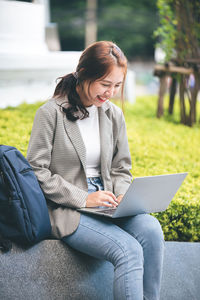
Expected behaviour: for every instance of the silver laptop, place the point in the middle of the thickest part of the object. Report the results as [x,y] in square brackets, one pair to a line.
[145,195]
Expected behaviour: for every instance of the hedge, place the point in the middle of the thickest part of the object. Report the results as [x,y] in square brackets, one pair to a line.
[161,146]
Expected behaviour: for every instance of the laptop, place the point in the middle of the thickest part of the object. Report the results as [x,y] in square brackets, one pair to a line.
[148,194]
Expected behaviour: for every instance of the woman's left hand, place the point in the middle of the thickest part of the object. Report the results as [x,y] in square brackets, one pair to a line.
[119,198]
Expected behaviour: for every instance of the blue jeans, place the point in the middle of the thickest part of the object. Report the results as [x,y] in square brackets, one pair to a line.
[134,245]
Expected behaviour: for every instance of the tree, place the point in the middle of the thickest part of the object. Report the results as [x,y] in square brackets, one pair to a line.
[179,34]
[128,23]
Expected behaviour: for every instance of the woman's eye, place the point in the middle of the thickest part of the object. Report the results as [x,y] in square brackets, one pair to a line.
[108,85]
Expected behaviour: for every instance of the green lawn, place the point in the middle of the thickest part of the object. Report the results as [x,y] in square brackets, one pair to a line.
[157,147]
[161,146]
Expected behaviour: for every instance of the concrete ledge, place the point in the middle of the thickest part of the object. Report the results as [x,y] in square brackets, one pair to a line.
[51,270]
[181,272]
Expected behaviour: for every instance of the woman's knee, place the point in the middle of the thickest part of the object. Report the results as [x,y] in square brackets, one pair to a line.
[129,249]
[152,230]
[145,227]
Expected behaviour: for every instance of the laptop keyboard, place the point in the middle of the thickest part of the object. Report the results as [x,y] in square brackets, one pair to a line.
[107,211]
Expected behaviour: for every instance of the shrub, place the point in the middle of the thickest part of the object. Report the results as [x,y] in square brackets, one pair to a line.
[181,221]
[162,147]
[156,146]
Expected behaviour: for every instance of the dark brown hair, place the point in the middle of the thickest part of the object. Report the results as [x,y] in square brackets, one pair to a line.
[95,62]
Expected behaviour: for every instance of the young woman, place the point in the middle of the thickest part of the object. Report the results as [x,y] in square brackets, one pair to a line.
[79,152]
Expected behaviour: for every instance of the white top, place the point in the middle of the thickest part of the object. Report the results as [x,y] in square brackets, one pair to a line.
[89,128]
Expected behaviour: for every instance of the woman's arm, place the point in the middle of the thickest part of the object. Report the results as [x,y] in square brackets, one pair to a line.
[55,187]
[121,163]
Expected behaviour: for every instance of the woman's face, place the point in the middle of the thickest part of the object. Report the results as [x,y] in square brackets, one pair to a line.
[102,89]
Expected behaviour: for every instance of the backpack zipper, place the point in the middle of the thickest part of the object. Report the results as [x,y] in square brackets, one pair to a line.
[25,171]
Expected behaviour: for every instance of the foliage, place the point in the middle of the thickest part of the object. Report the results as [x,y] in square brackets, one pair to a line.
[157,147]
[128,23]
[181,221]
[180,40]
[179,29]
[166,32]
[162,147]
[16,125]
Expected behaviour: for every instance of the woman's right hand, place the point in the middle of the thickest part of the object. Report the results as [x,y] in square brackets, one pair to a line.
[101,198]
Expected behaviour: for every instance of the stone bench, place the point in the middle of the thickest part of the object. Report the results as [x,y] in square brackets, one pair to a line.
[51,270]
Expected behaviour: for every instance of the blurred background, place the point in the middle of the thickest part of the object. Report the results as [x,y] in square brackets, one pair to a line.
[129,23]
[41,40]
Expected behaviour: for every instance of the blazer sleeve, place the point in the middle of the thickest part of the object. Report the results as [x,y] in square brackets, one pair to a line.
[121,162]
[55,187]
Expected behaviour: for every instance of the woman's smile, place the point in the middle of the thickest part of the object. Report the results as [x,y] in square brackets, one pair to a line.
[102,99]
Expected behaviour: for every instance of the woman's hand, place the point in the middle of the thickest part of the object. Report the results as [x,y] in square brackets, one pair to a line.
[101,198]
[119,198]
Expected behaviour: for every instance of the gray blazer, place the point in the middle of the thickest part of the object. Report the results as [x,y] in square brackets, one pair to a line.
[57,155]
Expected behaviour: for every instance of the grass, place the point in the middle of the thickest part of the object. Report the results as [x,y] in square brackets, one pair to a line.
[164,146]
[16,124]
[161,146]
[157,146]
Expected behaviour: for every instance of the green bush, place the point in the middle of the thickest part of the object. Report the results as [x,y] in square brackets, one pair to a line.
[157,146]
[181,221]
[164,146]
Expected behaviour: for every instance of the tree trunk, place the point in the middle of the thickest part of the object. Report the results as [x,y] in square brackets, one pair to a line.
[172,95]
[194,94]
[182,100]
[91,23]
[162,90]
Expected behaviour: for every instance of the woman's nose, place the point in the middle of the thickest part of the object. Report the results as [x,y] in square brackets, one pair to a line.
[109,92]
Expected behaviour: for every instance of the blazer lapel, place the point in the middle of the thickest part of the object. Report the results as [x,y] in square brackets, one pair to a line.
[105,126]
[74,134]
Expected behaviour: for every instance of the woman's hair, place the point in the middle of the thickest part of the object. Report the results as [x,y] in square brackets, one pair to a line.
[96,62]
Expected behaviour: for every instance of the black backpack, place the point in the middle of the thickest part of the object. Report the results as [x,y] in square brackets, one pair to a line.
[24,217]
